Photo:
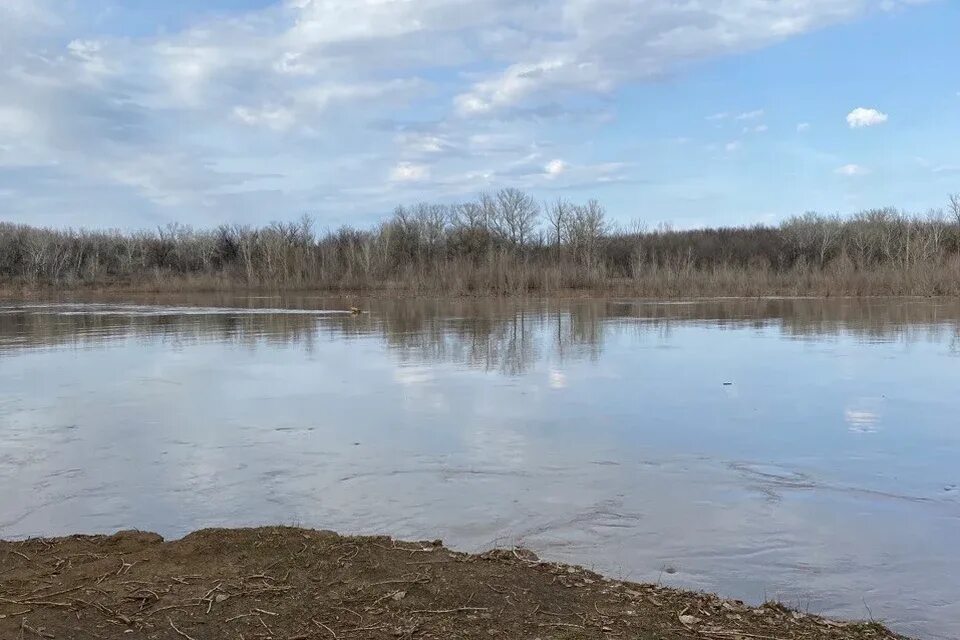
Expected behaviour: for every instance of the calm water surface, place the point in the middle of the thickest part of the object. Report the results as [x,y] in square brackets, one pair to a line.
[802,450]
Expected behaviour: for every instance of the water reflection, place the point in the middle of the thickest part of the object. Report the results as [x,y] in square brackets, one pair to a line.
[864,416]
[796,449]
[500,335]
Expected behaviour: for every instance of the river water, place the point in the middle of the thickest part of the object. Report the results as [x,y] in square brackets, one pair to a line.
[806,451]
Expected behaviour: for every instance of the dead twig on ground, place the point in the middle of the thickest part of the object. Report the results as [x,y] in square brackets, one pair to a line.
[174,606]
[179,632]
[324,626]
[370,628]
[744,634]
[242,615]
[37,631]
[457,610]
[419,579]
[38,603]
[561,624]
[50,595]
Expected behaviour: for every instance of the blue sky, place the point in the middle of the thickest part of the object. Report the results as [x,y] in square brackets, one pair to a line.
[136,113]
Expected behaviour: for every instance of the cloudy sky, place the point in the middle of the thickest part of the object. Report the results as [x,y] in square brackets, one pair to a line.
[132,113]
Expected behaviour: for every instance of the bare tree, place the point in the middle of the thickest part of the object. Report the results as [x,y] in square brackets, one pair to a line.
[468,216]
[37,248]
[586,226]
[516,215]
[814,236]
[464,246]
[932,231]
[829,234]
[800,231]
[246,239]
[955,206]
[557,216]
[432,221]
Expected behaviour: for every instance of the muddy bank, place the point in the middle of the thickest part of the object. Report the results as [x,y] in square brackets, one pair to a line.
[285,583]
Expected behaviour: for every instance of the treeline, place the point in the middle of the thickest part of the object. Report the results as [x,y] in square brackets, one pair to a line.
[505,243]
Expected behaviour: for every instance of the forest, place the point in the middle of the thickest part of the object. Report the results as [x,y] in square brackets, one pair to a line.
[507,243]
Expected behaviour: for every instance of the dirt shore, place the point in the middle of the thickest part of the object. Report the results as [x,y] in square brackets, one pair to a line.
[285,584]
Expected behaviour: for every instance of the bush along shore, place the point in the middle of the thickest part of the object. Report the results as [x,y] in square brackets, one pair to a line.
[502,244]
[296,584]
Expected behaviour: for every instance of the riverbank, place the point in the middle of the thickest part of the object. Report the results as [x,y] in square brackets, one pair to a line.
[941,280]
[288,583]
[477,248]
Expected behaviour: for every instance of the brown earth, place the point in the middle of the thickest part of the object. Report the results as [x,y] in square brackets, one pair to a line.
[286,584]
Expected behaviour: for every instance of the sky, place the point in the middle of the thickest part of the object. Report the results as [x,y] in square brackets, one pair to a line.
[134,113]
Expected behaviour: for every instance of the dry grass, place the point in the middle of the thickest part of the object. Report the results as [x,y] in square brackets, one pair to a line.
[519,279]
[482,248]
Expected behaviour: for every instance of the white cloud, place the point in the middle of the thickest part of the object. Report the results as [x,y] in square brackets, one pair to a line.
[751,115]
[15,122]
[331,96]
[546,77]
[555,168]
[590,46]
[589,175]
[23,20]
[803,126]
[318,97]
[311,102]
[718,116]
[425,143]
[852,170]
[278,118]
[946,168]
[409,172]
[863,117]
[89,54]
[733,145]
